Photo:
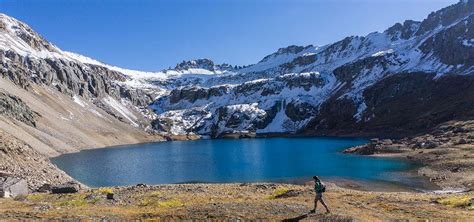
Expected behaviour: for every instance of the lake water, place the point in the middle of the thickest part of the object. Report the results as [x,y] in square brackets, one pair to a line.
[228,160]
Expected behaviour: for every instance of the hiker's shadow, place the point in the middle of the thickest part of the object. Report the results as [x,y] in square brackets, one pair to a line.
[298,218]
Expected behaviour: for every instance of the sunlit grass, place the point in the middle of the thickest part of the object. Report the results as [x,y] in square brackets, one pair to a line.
[73,200]
[36,197]
[456,201]
[150,202]
[171,203]
[105,190]
[278,192]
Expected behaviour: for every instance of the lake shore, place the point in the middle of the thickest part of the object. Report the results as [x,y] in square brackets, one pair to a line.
[253,201]
[448,164]
[445,154]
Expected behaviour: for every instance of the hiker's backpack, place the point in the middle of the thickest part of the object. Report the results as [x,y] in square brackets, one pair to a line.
[323,188]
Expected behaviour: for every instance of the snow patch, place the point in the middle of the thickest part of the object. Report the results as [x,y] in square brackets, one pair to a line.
[468,42]
[382,53]
[79,101]
[360,111]
[276,126]
[121,109]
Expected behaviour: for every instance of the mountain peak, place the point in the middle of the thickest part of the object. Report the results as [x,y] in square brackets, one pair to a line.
[202,63]
[292,49]
[447,16]
[21,37]
[403,31]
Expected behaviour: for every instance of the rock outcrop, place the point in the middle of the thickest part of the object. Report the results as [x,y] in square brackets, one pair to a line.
[444,153]
[13,187]
[13,107]
[22,162]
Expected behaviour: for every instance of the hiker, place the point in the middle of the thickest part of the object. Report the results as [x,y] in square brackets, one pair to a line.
[320,188]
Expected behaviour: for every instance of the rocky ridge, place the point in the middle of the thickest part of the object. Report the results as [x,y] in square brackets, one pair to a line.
[340,88]
[327,90]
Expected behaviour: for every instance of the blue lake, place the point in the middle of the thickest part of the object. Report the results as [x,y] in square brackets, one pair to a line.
[227,160]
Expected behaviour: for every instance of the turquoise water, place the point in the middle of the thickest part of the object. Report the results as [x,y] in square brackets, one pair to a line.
[226,160]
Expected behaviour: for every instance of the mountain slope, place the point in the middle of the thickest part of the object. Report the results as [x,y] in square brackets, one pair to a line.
[330,89]
[76,105]
[396,82]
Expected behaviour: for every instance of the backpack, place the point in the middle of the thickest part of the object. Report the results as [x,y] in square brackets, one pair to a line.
[322,189]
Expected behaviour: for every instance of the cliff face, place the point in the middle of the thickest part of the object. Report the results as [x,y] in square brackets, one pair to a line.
[400,105]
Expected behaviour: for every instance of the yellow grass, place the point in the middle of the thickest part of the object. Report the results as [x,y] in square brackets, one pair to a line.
[35,197]
[73,203]
[456,201]
[155,194]
[171,203]
[105,190]
[278,192]
[151,202]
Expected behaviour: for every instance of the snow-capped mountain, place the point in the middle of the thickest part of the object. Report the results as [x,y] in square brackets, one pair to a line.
[396,81]
[289,90]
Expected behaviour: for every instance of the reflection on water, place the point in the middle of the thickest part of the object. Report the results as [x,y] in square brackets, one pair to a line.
[219,161]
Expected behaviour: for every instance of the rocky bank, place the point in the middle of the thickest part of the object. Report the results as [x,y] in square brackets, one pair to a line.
[446,153]
[22,161]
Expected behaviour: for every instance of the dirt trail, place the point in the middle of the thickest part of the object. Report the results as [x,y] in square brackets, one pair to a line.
[238,201]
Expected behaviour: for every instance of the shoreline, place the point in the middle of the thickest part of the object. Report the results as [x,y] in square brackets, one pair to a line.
[345,182]
[254,201]
[444,154]
[155,138]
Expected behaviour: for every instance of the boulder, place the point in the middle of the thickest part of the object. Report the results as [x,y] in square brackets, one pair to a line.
[426,144]
[429,145]
[69,187]
[462,141]
[13,187]
[387,142]
[367,149]
[459,130]
[5,174]
[45,188]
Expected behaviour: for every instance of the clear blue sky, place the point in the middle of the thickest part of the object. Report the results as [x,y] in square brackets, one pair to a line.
[152,35]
